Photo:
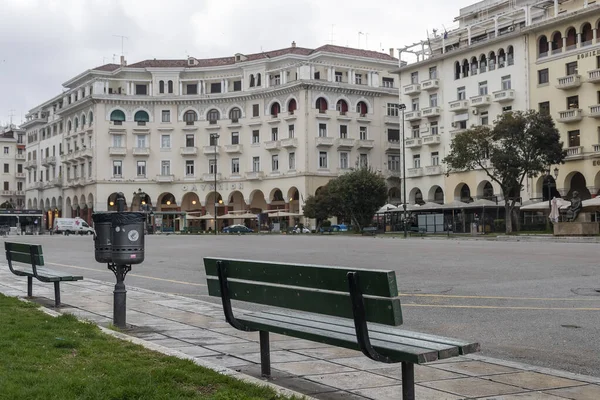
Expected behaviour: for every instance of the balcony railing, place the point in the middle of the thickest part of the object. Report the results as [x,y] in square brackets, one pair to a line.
[19,156]
[20,175]
[431,140]
[413,142]
[414,172]
[141,151]
[414,88]
[255,175]
[366,144]
[455,132]
[431,112]
[569,82]
[596,148]
[289,142]
[211,150]
[595,111]
[594,75]
[233,148]
[188,151]
[345,143]
[324,141]
[8,193]
[412,115]
[20,193]
[433,170]
[392,146]
[503,96]
[30,164]
[164,178]
[117,151]
[480,101]
[574,152]
[459,105]
[273,145]
[569,116]
[208,177]
[430,84]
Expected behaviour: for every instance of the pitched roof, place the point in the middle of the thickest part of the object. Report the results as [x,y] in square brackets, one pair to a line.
[216,62]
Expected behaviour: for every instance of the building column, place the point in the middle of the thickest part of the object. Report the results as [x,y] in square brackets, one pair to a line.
[469,35]
[369,78]
[578,40]
[564,39]
[283,77]
[202,87]
[151,93]
[180,88]
[329,79]
[350,76]
[595,35]
[267,80]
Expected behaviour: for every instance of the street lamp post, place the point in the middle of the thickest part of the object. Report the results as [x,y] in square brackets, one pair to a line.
[214,137]
[402,107]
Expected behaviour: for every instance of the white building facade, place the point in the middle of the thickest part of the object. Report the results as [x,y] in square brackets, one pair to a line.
[271,128]
[12,160]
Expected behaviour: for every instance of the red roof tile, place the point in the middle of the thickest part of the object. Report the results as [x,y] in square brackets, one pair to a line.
[107,67]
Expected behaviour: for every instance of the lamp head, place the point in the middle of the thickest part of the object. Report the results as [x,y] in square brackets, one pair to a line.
[143,202]
[111,203]
[220,201]
[168,202]
[194,202]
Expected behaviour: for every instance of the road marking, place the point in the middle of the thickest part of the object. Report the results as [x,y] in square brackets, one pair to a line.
[495,297]
[501,308]
[136,275]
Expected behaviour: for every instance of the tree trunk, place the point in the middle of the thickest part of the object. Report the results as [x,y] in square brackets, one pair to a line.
[508,209]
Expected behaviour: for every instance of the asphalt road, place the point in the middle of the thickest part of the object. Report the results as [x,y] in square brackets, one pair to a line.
[527,302]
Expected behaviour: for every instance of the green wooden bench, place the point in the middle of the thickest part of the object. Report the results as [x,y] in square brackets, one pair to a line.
[370,231]
[346,307]
[31,264]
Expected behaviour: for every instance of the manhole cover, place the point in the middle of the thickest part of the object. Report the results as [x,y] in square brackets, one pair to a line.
[586,291]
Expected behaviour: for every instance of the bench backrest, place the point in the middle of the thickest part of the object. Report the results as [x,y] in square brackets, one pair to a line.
[310,288]
[24,253]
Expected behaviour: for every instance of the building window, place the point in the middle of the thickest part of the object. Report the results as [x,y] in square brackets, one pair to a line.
[393,163]
[414,77]
[190,116]
[6,187]
[235,166]
[338,76]
[322,159]
[117,169]
[435,158]
[141,141]
[189,167]
[235,114]
[165,141]
[433,100]
[434,128]
[483,88]
[571,68]
[255,164]
[362,133]
[141,89]
[235,138]
[544,108]
[165,167]
[292,161]
[393,135]
[215,87]
[358,79]
[213,116]
[117,142]
[166,116]
[189,140]
[275,162]
[170,86]
[461,93]
[212,166]
[363,160]
[274,134]
[573,102]
[415,130]
[484,118]
[237,86]
[417,161]
[255,110]
[290,131]
[141,169]
[574,138]
[6,150]
[343,131]
[415,104]
[322,130]
[506,85]
[432,72]
[543,76]
[6,169]
[213,140]
[504,109]
[161,86]
[255,137]
[20,168]
[344,160]
[392,109]
[191,88]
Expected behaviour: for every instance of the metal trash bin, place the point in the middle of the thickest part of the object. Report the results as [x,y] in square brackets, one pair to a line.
[102,240]
[127,237]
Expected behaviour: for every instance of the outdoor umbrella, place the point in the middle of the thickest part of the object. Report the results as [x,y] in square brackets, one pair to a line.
[281,214]
[387,207]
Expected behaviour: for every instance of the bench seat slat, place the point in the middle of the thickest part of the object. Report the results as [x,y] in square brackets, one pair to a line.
[397,352]
[378,309]
[48,275]
[463,346]
[372,281]
[25,258]
[443,350]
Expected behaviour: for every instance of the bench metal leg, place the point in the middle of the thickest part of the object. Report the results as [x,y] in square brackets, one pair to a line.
[265,355]
[408,381]
[56,294]
[30,286]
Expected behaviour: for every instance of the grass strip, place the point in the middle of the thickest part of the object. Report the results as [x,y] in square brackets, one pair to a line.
[44,357]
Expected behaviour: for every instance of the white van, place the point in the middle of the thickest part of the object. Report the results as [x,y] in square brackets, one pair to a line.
[72,225]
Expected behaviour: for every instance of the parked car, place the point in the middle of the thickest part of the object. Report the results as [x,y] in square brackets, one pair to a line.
[72,225]
[296,229]
[237,229]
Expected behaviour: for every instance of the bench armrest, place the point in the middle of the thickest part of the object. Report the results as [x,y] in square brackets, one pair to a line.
[226,300]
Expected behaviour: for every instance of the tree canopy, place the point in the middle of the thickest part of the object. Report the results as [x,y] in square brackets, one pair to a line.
[521,144]
[355,196]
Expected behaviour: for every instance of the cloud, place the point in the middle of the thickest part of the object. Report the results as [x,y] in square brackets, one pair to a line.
[43,43]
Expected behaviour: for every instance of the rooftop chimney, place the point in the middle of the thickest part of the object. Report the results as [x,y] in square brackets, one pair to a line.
[392,51]
[123,61]
[294,44]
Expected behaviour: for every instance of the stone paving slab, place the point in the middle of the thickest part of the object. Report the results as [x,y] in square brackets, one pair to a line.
[196,330]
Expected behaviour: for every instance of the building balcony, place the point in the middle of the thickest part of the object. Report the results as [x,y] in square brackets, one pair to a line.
[46,161]
[343,116]
[83,154]
[431,140]
[141,151]
[164,178]
[430,84]
[595,111]
[366,144]
[363,118]
[255,121]
[30,164]
[212,126]
[411,89]
[37,185]
[188,151]
[289,143]
[323,114]
[116,129]
[414,172]
[255,175]
[412,115]
[433,170]
[503,96]
[324,141]
[20,157]
[570,116]
[431,112]
[19,193]
[8,193]
[343,143]
[117,151]
[596,150]
[208,177]
[458,105]
[413,143]
[275,119]
[594,76]
[211,150]
[455,132]
[392,147]
[574,153]
[273,145]
[57,182]
[233,148]
[569,82]
[234,124]
[20,175]
[390,173]
[391,120]
[291,115]
[480,101]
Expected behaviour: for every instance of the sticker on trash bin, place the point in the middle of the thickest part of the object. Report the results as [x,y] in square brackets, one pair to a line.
[133,236]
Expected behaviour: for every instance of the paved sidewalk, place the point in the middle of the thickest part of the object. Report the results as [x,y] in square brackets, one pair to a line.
[197,329]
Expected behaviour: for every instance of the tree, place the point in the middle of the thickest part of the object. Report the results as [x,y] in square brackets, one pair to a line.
[356,195]
[521,144]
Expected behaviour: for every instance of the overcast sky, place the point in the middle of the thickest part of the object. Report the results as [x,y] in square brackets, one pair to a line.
[43,43]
